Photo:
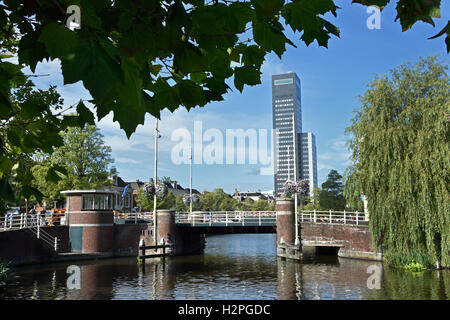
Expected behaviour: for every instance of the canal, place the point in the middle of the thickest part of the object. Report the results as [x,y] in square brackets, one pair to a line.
[235,266]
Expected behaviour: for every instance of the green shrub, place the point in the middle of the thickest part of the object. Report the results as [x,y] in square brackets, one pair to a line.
[412,259]
[5,273]
[414,267]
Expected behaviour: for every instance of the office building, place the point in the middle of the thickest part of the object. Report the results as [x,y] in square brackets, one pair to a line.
[287,124]
[308,159]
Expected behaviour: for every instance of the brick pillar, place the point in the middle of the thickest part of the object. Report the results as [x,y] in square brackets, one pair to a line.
[286,247]
[285,220]
[166,226]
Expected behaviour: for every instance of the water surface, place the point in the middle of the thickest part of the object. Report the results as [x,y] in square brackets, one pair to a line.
[236,266]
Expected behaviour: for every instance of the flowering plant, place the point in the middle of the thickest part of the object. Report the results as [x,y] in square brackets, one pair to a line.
[291,187]
[187,198]
[150,190]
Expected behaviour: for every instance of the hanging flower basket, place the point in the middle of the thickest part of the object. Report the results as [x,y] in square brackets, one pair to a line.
[187,198]
[290,188]
[150,190]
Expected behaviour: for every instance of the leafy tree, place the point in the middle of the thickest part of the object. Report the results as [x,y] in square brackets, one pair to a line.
[83,156]
[314,202]
[217,200]
[352,189]
[169,201]
[331,195]
[401,159]
[32,129]
[138,57]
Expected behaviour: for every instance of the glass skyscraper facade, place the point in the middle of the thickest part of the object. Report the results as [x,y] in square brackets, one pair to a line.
[287,125]
[308,164]
[287,116]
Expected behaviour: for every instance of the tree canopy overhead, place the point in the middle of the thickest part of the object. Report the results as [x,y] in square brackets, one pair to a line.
[142,56]
[401,157]
[138,57]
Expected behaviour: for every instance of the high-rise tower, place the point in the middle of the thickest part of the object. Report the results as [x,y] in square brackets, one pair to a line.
[287,123]
[308,162]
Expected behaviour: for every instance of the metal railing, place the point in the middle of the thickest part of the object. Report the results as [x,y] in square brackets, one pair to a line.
[33,223]
[252,217]
[227,217]
[333,217]
[20,221]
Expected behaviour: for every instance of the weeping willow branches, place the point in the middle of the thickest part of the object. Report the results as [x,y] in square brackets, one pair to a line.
[401,161]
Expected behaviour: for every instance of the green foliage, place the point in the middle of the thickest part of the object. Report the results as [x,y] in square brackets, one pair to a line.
[167,202]
[411,258]
[400,157]
[313,201]
[414,267]
[5,273]
[331,195]
[138,57]
[352,189]
[30,124]
[81,162]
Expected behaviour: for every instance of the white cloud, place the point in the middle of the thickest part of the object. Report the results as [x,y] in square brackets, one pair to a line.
[126,160]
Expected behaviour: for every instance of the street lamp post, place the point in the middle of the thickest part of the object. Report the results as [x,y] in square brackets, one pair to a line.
[190,188]
[155,222]
[294,139]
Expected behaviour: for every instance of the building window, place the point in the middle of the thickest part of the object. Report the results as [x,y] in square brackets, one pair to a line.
[97,202]
[283,81]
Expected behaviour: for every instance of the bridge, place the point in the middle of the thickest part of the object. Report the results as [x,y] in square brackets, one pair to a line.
[246,218]
[344,231]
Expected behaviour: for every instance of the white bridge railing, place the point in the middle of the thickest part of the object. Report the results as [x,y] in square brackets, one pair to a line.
[227,217]
[37,221]
[33,223]
[333,217]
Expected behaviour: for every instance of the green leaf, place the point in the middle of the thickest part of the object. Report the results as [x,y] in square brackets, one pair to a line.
[5,165]
[191,94]
[246,75]
[379,3]
[56,173]
[85,116]
[303,15]
[411,11]
[190,59]
[59,40]
[445,30]
[99,71]
[270,37]
[266,9]
[27,192]
[6,192]
[31,51]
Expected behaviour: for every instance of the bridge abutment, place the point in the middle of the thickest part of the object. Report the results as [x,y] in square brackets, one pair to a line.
[286,246]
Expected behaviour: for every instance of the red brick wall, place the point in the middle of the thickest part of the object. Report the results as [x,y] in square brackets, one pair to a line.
[355,238]
[127,236]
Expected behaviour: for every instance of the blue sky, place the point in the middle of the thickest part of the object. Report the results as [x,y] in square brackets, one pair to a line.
[331,80]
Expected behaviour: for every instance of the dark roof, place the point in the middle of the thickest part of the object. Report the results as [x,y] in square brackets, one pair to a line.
[118,182]
[134,185]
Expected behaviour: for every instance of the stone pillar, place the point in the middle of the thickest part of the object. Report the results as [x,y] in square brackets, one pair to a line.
[286,248]
[166,226]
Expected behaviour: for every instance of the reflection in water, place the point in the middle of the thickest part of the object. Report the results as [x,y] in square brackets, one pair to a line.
[236,266]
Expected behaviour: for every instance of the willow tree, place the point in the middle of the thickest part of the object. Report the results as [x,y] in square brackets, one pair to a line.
[401,161]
